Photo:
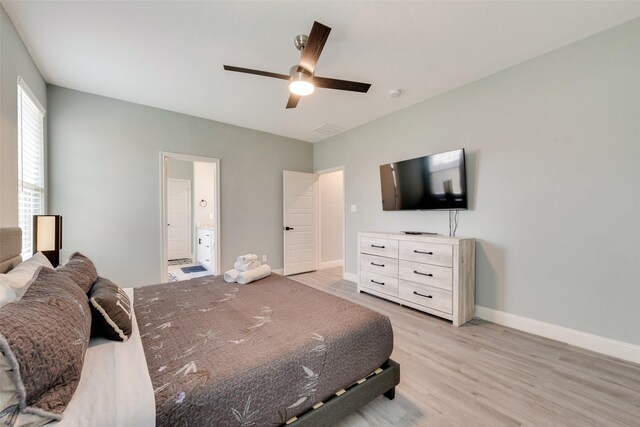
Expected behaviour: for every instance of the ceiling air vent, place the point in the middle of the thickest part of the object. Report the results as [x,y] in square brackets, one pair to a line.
[328,129]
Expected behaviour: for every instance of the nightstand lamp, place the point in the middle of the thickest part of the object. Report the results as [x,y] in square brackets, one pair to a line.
[47,236]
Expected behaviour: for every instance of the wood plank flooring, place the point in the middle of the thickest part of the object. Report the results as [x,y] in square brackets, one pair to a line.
[483,374]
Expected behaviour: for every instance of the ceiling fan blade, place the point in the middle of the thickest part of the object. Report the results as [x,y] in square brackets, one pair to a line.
[317,38]
[293,101]
[256,72]
[340,84]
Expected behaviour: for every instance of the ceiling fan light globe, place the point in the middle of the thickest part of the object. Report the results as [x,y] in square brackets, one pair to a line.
[301,87]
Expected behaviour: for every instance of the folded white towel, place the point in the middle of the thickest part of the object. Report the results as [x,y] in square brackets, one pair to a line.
[245,277]
[248,257]
[231,276]
[251,265]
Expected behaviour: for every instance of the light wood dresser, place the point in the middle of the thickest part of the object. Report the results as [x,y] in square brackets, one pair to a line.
[434,274]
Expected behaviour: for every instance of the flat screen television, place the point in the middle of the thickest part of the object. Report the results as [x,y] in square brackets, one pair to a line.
[437,181]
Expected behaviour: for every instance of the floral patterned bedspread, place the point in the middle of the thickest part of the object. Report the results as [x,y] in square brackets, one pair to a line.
[252,355]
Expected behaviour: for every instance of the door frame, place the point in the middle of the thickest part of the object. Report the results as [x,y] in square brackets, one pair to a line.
[344,214]
[164,156]
[189,211]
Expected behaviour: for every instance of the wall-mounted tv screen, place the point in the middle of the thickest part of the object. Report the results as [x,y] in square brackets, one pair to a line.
[437,181]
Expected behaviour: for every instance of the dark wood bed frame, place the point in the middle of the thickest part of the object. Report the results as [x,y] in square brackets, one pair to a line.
[337,407]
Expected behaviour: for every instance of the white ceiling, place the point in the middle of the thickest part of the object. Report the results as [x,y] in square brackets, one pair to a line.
[170,54]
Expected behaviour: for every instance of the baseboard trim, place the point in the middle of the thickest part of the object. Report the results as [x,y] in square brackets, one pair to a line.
[351,277]
[608,346]
[279,271]
[331,264]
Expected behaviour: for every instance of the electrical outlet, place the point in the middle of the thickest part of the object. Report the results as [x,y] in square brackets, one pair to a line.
[353,208]
[264,258]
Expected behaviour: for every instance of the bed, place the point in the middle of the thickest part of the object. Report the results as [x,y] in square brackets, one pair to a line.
[204,352]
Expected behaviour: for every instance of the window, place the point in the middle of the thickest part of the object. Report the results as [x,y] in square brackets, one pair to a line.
[31,190]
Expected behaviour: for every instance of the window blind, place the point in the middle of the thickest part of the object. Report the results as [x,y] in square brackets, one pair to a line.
[31,187]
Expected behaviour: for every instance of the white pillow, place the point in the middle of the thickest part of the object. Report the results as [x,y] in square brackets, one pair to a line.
[18,278]
[7,294]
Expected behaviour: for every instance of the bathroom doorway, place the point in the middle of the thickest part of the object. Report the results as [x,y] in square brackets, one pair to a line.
[190,218]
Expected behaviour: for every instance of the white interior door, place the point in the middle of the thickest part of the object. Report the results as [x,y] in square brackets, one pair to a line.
[300,222]
[178,218]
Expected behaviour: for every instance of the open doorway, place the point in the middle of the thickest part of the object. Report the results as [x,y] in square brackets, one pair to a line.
[190,188]
[331,219]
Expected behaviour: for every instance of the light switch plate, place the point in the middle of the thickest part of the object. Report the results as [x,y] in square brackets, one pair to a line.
[264,258]
[353,208]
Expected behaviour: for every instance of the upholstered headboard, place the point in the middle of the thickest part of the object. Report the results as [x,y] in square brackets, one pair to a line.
[10,248]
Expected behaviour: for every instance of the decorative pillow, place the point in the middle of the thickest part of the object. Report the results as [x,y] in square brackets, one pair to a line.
[43,340]
[111,311]
[21,275]
[81,270]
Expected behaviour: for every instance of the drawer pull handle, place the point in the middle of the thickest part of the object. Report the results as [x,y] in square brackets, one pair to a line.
[423,274]
[421,295]
[377,265]
[377,283]
[415,251]
[377,246]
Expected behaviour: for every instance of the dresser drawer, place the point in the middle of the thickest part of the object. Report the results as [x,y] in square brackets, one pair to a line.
[430,253]
[428,296]
[427,274]
[378,282]
[382,247]
[379,265]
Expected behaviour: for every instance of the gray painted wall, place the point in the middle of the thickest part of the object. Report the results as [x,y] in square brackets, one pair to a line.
[105,180]
[14,61]
[553,156]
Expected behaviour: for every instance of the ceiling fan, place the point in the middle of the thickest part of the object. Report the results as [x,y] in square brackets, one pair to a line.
[302,80]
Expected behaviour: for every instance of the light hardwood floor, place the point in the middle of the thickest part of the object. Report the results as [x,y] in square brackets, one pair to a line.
[483,374]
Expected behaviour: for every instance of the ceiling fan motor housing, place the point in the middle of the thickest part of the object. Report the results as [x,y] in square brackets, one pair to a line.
[300,73]
[301,81]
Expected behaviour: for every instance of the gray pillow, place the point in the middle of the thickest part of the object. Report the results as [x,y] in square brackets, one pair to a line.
[110,310]
[81,270]
[43,340]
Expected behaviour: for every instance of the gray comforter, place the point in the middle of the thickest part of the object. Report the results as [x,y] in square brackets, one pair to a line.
[252,355]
